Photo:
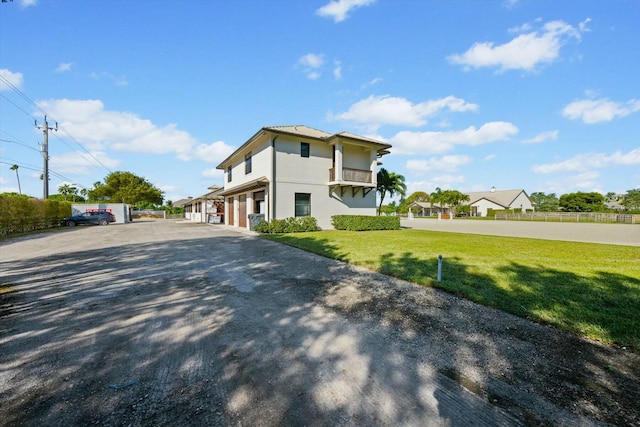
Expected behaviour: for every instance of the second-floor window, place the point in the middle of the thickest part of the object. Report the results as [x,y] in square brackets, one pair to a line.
[304,149]
[247,163]
[229,175]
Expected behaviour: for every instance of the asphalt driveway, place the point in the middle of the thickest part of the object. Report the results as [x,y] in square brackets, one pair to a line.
[165,323]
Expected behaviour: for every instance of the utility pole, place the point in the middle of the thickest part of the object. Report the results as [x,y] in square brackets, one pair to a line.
[45,154]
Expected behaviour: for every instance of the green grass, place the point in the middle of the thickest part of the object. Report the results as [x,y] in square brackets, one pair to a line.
[591,290]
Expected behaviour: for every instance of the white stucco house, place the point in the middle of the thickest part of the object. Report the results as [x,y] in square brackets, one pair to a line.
[481,201]
[206,208]
[293,171]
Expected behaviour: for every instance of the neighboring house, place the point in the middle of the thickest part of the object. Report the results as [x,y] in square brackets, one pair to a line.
[295,171]
[481,201]
[426,209]
[206,208]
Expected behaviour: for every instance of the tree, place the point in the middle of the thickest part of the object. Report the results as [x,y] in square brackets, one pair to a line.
[451,198]
[546,202]
[454,198]
[68,190]
[582,202]
[631,200]
[15,168]
[126,187]
[391,183]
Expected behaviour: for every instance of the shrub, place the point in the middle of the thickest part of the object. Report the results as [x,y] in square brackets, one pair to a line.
[21,213]
[365,222]
[287,225]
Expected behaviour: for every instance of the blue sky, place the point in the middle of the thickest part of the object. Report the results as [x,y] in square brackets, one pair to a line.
[533,94]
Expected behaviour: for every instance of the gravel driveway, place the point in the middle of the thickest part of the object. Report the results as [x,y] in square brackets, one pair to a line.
[163,323]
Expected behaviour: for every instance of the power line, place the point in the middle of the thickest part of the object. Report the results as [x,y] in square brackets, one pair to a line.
[37,169]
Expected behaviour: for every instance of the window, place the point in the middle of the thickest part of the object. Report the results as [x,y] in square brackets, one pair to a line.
[304,149]
[247,163]
[228,173]
[303,204]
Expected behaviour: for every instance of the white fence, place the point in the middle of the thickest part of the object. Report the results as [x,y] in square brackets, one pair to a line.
[570,217]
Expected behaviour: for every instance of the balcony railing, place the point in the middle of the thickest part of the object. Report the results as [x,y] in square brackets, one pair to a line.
[351,175]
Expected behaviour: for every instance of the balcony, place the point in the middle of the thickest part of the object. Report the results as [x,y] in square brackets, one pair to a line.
[356,179]
[351,175]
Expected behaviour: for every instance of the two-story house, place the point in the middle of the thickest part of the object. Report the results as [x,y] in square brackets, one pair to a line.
[294,171]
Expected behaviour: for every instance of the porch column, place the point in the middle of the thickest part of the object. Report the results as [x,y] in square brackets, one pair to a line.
[338,166]
[374,166]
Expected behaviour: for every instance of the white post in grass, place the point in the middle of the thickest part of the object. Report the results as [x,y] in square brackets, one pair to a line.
[439,268]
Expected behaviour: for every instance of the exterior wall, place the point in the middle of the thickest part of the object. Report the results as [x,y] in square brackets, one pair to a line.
[323,205]
[483,205]
[260,165]
[522,201]
[356,157]
[119,210]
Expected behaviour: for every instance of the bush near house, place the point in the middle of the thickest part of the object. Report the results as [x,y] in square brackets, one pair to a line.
[365,222]
[21,214]
[287,225]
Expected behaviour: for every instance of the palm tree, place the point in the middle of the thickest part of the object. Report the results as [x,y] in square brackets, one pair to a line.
[389,182]
[15,168]
[65,190]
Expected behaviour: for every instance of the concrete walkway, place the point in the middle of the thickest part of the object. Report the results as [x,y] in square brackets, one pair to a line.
[613,234]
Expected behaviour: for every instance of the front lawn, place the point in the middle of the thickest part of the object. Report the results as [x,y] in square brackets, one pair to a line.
[592,290]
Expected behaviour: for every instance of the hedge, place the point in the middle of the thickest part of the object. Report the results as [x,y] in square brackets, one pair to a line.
[20,214]
[287,225]
[365,222]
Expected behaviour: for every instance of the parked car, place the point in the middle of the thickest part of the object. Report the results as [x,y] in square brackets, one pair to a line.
[96,218]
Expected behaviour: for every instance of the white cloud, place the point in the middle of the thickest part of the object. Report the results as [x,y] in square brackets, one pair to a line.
[337,70]
[599,110]
[27,3]
[586,162]
[311,64]
[211,153]
[445,163]
[585,181]
[489,157]
[376,111]
[117,80]
[98,129]
[371,82]
[339,9]
[525,52]
[81,163]
[212,173]
[9,78]
[551,135]
[63,67]
[409,143]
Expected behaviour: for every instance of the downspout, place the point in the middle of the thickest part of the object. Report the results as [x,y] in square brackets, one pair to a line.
[272,196]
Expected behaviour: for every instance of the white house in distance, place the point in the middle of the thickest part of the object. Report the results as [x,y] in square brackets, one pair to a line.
[206,208]
[295,171]
[481,201]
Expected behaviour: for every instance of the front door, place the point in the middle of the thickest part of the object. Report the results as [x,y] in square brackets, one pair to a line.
[242,211]
[232,210]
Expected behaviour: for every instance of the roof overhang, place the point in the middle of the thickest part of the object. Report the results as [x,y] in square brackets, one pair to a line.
[247,186]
